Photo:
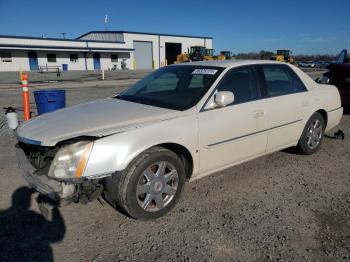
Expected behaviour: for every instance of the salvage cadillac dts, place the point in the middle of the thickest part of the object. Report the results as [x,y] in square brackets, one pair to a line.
[181,122]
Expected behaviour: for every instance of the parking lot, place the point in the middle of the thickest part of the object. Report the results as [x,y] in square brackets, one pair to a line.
[283,206]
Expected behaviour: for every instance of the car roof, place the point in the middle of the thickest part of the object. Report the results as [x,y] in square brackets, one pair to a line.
[230,63]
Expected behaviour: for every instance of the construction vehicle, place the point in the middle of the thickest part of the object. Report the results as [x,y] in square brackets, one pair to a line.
[209,54]
[195,53]
[182,58]
[283,55]
[224,55]
[200,53]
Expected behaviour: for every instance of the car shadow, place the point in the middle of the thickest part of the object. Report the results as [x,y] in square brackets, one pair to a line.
[26,235]
[291,150]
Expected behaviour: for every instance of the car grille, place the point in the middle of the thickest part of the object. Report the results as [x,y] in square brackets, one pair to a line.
[40,157]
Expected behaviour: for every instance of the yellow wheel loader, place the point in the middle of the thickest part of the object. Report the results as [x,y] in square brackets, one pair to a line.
[195,53]
[225,55]
[209,55]
[283,55]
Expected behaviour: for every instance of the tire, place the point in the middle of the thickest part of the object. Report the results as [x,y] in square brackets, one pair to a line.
[312,135]
[143,191]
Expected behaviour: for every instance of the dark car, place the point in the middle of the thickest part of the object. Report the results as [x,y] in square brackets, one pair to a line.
[339,75]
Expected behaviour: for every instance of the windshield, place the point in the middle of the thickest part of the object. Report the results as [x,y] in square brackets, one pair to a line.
[173,87]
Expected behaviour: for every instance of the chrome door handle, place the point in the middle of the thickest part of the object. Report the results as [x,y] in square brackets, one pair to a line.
[259,113]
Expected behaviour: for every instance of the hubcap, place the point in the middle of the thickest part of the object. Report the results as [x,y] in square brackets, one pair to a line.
[157,186]
[314,134]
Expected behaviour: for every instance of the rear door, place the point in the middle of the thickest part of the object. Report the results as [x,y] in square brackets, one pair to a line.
[287,101]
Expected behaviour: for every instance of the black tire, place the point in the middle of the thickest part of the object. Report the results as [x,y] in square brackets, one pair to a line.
[120,188]
[303,144]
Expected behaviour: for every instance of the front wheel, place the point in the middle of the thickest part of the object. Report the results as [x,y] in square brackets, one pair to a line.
[312,135]
[150,186]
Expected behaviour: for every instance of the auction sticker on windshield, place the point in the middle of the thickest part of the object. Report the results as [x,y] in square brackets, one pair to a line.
[204,72]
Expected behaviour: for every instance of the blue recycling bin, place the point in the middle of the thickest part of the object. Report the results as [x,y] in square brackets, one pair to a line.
[49,100]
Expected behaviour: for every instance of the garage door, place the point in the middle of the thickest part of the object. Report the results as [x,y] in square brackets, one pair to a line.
[143,54]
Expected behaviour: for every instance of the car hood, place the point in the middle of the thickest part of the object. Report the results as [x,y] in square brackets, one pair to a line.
[98,118]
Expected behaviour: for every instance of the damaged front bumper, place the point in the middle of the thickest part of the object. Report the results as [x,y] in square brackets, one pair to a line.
[60,192]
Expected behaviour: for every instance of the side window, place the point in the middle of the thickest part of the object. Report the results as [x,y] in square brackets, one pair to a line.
[298,85]
[51,58]
[73,58]
[280,80]
[114,58]
[6,57]
[242,83]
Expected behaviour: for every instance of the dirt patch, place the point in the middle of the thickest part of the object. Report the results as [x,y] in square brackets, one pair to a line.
[334,231]
[281,207]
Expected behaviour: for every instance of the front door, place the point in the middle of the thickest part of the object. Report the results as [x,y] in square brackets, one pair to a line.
[97,62]
[33,61]
[236,132]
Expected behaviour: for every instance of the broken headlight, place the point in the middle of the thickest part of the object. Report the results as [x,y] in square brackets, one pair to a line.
[70,161]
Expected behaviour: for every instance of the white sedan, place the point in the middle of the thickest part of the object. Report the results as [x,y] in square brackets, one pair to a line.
[307,64]
[181,122]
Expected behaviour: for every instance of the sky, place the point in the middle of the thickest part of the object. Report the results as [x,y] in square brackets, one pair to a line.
[305,27]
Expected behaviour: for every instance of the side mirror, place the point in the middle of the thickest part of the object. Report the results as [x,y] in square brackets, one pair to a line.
[224,98]
[323,80]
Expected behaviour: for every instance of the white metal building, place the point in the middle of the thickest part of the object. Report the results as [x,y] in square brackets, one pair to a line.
[95,50]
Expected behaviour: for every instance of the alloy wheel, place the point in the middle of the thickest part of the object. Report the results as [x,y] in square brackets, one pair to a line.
[157,186]
[314,134]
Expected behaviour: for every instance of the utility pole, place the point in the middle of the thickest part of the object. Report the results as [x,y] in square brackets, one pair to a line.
[106,22]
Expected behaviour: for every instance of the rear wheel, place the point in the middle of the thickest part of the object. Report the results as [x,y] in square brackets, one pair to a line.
[150,186]
[312,136]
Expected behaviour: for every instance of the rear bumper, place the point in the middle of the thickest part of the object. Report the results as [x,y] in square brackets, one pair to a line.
[334,117]
[55,190]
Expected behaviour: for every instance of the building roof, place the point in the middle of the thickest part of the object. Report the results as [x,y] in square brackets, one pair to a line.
[61,48]
[56,39]
[141,33]
[57,44]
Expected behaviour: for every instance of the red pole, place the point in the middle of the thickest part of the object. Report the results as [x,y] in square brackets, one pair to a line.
[25,96]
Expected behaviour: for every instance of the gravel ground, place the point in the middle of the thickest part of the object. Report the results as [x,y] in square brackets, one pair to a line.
[281,207]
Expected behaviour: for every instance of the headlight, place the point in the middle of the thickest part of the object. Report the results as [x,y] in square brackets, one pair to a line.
[70,161]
